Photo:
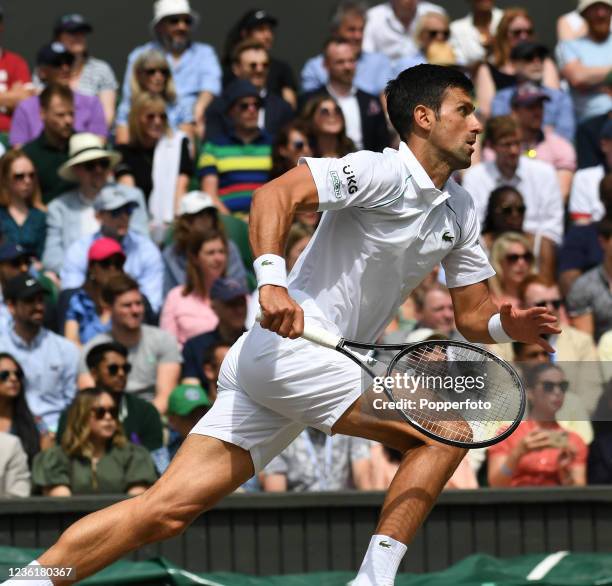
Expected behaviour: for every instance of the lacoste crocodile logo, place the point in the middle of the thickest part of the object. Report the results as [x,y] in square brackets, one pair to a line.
[447,237]
[384,544]
[265,263]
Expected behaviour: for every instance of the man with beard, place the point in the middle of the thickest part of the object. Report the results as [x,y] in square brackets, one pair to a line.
[195,67]
[49,361]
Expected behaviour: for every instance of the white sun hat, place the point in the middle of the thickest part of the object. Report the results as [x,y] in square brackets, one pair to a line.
[84,147]
[195,202]
[164,8]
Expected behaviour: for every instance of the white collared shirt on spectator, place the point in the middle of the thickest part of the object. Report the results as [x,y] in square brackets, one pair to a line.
[537,183]
[352,116]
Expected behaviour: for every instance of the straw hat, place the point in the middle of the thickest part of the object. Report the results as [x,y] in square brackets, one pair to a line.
[84,147]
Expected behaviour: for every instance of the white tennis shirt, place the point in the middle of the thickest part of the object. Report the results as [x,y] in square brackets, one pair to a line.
[384,229]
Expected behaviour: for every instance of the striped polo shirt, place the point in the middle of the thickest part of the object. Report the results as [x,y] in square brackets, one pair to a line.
[241,167]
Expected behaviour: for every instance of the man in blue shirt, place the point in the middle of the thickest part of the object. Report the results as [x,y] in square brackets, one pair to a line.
[373,69]
[195,67]
[49,361]
[528,60]
[114,206]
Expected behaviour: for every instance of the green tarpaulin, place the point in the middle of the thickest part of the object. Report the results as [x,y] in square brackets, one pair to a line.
[560,569]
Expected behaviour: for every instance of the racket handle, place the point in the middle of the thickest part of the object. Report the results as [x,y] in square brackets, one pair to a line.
[314,334]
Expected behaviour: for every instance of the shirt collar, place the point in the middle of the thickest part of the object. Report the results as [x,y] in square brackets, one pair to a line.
[334,95]
[21,343]
[421,180]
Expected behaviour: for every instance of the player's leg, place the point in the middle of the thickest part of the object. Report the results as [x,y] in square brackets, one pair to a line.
[204,470]
[424,470]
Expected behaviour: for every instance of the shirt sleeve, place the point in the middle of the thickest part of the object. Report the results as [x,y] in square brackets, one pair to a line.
[466,263]
[210,75]
[364,179]
[566,52]
[20,131]
[581,199]
[565,155]
[207,161]
[579,299]
[16,474]
[106,80]
[51,468]
[168,349]
[313,74]
[139,468]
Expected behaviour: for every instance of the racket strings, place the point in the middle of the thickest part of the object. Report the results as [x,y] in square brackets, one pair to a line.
[434,385]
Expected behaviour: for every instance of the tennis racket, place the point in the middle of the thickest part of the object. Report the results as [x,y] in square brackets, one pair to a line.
[453,392]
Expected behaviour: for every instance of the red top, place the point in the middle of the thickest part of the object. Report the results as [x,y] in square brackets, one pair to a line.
[13,68]
[539,467]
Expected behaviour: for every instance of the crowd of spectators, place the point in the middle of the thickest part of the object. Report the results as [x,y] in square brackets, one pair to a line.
[125,267]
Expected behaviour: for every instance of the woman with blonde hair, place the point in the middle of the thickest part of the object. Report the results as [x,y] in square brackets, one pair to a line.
[22,219]
[151,74]
[512,259]
[94,456]
[516,26]
[327,128]
[156,159]
[187,310]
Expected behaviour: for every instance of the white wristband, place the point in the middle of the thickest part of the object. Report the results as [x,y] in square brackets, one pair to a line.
[270,269]
[496,330]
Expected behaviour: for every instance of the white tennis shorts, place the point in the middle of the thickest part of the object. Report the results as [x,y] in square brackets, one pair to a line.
[271,388]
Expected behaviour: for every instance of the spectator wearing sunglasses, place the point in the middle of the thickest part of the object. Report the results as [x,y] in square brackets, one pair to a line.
[431,36]
[109,368]
[157,160]
[153,353]
[472,36]
[22,219]
[48,360]
[90,76]
[506,213]
[528,58]
[513,260]
[55,64]
[195,66]
[15,415]
[373,70]
[290,144]
[151,74]
[233,164]
[364,118]
[499,72]
[540,452]
[71,215]
[535,180]
[251,61]
[114,207]
[589,301]
[94,456]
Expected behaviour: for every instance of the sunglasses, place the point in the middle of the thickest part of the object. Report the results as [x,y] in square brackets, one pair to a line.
[254,66]
[18,262]
[556,303]
[508,210]
[95,164]
[432,34]
[151,71]
[188,20]
[154,115]
[21,176]
[113,369]
[549,386]
[116,262]
[100,412]
[520,32]
[128,209]
[298,145]
[327,112]
[514,258]
[244,106]
[6,374]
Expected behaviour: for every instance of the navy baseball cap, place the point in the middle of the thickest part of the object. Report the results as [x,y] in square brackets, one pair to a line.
[71,23]
[225,289]
[528,93]
[54,54]
[528,50]
[23,286]
[10,251]
[254,18]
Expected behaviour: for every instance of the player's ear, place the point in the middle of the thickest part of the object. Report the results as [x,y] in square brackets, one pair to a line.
[423,117]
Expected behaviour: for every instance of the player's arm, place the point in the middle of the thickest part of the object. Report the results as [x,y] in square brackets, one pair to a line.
[272,210]
[474,309]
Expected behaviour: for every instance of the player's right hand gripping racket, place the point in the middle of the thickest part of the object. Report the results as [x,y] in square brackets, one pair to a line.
[453,392]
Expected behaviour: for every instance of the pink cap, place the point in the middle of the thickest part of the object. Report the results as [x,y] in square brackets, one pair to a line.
[102,248]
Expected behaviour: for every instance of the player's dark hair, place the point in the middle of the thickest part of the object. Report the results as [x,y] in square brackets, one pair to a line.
[423,85]
[96,355]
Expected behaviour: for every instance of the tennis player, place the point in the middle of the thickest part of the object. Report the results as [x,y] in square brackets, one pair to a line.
[389,219]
